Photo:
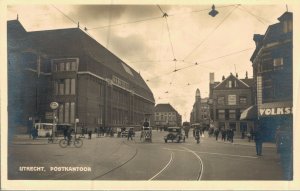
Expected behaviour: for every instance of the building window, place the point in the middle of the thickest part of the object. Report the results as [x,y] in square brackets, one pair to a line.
[61,87]
[68,66]
[278,63]
[243,100]
[221,114]
[72,113]
[221,100]
[231,99]
[54,67]
[61,66]
[67,111]
[55,88]
[232,114]
[61,114]
[230,84]
[72,86]
[67,86]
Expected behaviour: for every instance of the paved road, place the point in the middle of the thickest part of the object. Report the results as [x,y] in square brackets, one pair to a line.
[120,159]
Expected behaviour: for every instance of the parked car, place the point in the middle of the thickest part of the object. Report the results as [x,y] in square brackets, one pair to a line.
[175,134]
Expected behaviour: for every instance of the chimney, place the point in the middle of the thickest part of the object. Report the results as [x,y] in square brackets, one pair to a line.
[212,78]
[223,77]
[236,75]
[246,75]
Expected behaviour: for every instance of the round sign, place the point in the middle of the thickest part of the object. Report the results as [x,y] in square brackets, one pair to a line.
[54,105]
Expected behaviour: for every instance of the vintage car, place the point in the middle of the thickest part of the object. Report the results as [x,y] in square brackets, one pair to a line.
[175,134]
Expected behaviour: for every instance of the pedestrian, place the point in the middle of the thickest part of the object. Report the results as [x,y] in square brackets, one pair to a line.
[36,132]
[231,135]
[82,132]
[258,141]
[130,134]
[223,133]
[217,133]
[90,134]
[243,134]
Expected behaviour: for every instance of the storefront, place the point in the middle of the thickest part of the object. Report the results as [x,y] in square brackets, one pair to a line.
[276,118]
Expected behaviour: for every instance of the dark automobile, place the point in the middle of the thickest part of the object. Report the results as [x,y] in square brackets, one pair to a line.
[175,134]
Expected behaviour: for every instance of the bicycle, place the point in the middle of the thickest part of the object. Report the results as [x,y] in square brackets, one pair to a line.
[77,142]
[52,139]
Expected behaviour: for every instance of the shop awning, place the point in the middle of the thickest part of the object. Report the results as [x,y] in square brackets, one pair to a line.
[250,113]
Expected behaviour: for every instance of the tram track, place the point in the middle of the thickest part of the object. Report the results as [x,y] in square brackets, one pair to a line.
[200,163]
[119,166]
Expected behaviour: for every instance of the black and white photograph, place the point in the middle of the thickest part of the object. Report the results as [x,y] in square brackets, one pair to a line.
[149,95]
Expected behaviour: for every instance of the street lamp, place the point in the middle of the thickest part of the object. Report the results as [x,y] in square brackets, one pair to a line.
[213,12]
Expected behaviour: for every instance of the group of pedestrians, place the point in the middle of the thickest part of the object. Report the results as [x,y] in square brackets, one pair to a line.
[226,134]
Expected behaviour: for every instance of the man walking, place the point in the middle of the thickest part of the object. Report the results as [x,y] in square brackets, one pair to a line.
[258,141]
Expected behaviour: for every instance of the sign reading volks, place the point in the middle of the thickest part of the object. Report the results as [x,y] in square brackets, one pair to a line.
[276,111]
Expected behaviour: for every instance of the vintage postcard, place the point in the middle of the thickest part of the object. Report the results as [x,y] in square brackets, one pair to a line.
[149,95]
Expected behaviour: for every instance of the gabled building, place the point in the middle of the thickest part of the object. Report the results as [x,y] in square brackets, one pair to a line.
[229,99]
[166,116]
[67,66]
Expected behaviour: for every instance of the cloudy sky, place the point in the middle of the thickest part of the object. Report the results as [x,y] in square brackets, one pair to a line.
[165,50]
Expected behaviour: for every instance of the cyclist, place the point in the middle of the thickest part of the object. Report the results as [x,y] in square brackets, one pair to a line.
[69,134]
[197,135]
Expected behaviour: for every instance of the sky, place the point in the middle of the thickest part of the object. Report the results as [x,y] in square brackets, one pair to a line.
[174,54]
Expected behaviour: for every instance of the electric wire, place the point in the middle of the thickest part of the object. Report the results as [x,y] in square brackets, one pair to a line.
[199,63]
[152,18]
[130,22]
[64,14]
[260,19]
[160,9]
[211,32]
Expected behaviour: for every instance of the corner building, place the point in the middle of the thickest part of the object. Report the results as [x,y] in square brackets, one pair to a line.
[69,67]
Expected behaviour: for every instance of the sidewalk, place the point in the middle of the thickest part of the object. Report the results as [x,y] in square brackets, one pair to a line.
[239,141]
[23,139]
[245,142]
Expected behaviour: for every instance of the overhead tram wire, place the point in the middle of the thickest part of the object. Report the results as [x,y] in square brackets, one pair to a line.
[213,59]
[212,31]
[260,19]
[201,62]
[151,18]
[64,14]
[119,24]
